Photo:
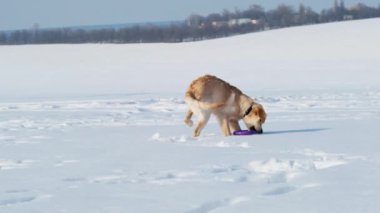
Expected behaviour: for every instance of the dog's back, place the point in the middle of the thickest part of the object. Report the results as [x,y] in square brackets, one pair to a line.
[209,89]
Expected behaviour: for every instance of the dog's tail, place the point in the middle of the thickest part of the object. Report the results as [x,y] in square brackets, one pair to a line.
[191,100]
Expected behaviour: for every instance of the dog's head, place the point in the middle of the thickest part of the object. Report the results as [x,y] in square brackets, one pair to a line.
[255,117]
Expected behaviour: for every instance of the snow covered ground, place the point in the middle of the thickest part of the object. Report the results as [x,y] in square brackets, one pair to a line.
[98,128]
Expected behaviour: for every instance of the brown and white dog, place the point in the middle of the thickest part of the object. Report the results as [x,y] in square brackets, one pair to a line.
[210,95]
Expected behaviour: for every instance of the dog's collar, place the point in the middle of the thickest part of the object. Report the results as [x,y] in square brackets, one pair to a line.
[248,111]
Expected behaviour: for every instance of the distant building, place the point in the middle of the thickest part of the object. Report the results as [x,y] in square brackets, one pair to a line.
[219,23]
[348,17]
[254,21]
[197,21]
[241,21]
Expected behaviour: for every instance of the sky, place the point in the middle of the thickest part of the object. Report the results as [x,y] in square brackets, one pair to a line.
[23,14]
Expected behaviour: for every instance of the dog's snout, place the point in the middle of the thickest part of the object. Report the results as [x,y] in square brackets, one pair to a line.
[252,128]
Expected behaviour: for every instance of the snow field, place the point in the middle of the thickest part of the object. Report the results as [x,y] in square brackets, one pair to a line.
[138,147]
[99,128]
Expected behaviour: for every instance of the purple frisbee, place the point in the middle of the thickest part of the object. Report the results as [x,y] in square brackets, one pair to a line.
[244,132]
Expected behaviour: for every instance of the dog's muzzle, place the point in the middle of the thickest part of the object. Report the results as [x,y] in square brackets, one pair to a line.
[252,128]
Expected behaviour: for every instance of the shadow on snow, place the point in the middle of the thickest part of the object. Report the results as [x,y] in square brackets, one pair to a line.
[295,131]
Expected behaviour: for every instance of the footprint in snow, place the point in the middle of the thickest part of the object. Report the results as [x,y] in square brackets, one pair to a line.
[16,201]
[173,139]
[212,205]
[280,191]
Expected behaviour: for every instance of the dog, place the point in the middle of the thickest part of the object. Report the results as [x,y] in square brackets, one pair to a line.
[210,95]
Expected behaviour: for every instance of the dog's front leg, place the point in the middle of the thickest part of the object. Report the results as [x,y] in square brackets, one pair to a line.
[234,126]
[225,127]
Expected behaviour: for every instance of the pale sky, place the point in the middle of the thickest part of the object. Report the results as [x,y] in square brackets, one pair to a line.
[20,14]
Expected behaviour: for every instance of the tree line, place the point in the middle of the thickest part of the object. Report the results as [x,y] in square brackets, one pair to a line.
[197,27]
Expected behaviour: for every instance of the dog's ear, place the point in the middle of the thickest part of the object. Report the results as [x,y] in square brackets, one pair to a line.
[259,111]
[256,110]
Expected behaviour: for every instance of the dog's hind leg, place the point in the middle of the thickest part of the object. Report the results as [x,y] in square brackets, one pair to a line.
[202,121]
[188,116]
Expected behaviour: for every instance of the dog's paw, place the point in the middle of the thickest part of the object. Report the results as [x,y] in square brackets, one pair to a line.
[196,133]
[189,122]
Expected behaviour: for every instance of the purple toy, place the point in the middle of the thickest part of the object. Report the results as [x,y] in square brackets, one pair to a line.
[245,132]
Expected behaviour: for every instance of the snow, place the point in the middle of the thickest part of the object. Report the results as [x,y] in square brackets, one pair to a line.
[316,56]
[99,128]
